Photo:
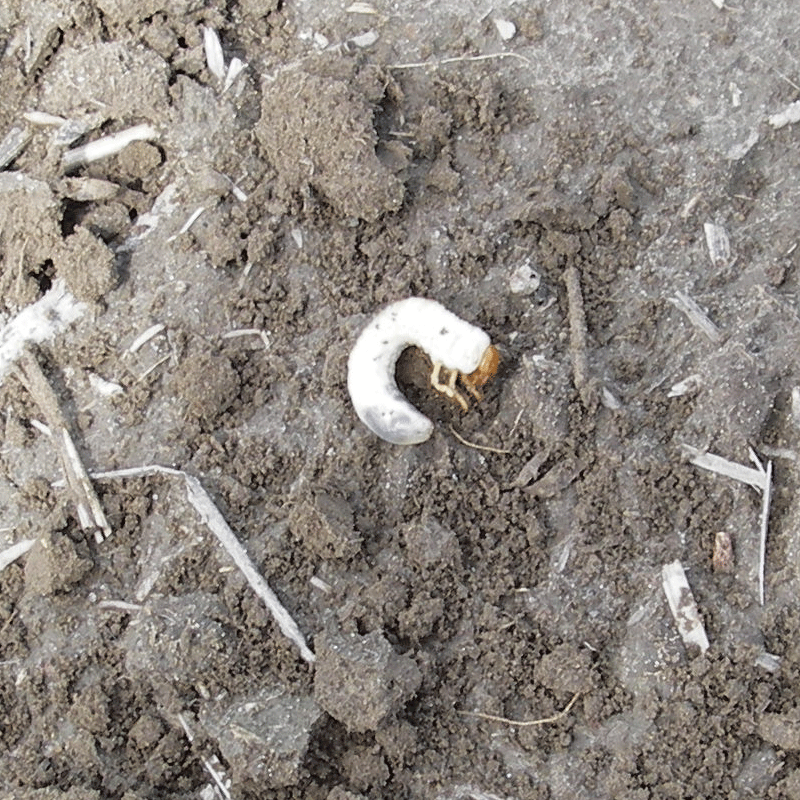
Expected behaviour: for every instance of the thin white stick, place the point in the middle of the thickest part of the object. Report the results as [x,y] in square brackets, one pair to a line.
[722,466]
[193,217]
[456,60]
[11,554]
[762,551]
[119,605]
[211,516]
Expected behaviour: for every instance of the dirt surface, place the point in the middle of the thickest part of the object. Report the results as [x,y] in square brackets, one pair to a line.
[360,158]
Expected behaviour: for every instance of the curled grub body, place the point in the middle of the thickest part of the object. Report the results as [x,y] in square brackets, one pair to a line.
[450,342]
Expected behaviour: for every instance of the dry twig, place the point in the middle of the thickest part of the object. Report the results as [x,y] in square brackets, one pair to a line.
[577,335]
[477,446]
[90,511]
[529,723]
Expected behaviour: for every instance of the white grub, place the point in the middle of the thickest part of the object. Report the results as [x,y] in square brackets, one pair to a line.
[719,245]
[730,469]
[736,94]
[361,8]
[788,116]
[689,385]
[762,539]
[362,40]
[683,607]
[213,49]
[213,519]
[108,145]
[235,68]
[505,28]
[11,554]
[297,236]
[447,339]
[43,118]
[143,338]
[696,315]
[38,322]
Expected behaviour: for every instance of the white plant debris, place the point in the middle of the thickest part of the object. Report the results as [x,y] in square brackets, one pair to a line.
[696,315]
[730,469]
[689,385]
[262,334]
[739,150]
[683,607]
[38,322]
[506,28]
[213,519]
[788,116]
[108,145]
[609,399]
[759,478]
[361,8]
[524,279]
[796,406]
[215,60]
[193,217]
[363,40]
[718,243]
[91,516]
[13,143]
[104,387]
[762,539]
[768,661]
[11,554]
[144,337]
[212,766]
[235,68]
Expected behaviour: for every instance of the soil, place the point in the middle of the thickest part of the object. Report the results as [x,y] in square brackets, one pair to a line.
[358,159]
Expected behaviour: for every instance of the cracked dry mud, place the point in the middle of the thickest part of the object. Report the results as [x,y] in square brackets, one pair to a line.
[432,581]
